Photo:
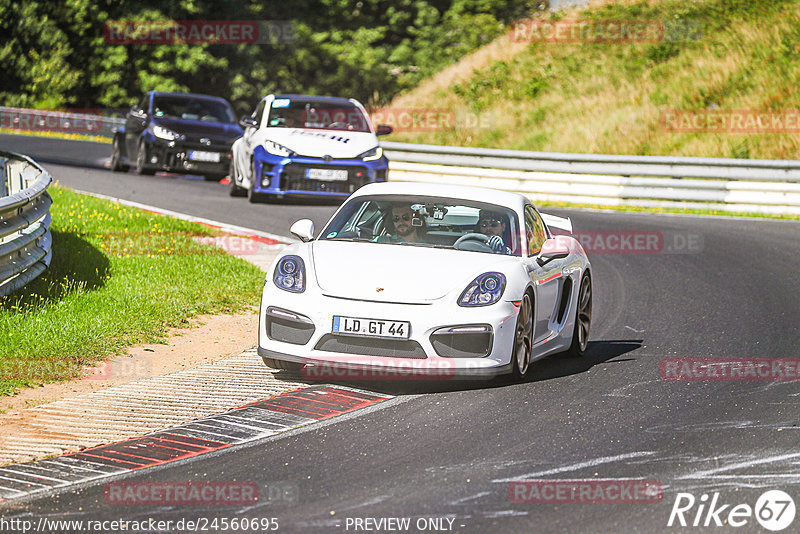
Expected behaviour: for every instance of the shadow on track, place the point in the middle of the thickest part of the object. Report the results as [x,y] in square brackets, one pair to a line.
[549,368]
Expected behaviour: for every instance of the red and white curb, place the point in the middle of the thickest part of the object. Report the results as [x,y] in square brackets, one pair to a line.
[248,423]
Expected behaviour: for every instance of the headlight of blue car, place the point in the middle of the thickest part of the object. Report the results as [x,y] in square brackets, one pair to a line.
[372,155]
[484,290]
[277,150]
[290,274]
[165,133]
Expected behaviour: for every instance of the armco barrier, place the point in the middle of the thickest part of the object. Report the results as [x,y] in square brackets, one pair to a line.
[759,186]
[25,242]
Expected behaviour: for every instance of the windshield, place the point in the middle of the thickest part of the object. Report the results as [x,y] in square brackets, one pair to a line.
[427,222]
[316,115]
[196,109]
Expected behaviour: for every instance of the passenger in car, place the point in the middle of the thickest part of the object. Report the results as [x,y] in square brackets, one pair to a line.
[493,225]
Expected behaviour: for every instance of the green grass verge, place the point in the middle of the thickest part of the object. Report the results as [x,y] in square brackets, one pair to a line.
[119,276]
[615,97]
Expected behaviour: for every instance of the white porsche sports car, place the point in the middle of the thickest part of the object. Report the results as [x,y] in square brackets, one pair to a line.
[423,280]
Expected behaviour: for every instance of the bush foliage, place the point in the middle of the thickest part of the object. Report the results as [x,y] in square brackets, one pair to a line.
[54,55]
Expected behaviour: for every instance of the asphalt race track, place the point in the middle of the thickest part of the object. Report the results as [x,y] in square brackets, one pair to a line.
[728,288]
[184,194]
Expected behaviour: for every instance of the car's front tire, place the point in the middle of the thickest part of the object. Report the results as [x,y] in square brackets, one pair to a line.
[141,160]
[583,319]
[256,198]
[523,339]
[252,195]
[235,190]
[282,365]
[116,157]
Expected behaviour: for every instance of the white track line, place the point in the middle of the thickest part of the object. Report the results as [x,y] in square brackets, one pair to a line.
[579,465]
[750,463]
[183,216]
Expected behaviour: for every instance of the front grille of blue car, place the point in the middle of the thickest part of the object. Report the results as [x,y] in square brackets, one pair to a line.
[369,346]
[294,178]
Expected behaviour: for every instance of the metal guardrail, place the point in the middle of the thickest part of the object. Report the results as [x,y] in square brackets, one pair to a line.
[25,241]
[59,121]
[758,186]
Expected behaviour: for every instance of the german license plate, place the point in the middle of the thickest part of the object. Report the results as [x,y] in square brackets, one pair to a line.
[358,326]
[199,155]
[330,175]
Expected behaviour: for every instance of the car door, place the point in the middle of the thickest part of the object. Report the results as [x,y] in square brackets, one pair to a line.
[135,123]
[546,278]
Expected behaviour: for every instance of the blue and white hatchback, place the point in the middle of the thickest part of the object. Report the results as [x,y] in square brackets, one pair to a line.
[302,145]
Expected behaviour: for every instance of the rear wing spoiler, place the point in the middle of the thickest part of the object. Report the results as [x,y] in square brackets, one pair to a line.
[561,223]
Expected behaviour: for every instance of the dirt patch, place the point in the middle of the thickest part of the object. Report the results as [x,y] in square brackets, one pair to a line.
[211,338]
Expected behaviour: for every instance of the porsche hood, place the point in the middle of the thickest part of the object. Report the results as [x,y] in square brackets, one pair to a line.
[396,273]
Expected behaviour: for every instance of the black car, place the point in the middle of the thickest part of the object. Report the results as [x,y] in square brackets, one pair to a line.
[177,132]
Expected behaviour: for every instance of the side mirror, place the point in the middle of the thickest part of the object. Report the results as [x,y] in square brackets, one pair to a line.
[384,129]
[552,249]
[303,230]
[248,122]
[543,259]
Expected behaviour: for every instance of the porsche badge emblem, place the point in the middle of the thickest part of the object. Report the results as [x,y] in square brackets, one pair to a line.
[378,289]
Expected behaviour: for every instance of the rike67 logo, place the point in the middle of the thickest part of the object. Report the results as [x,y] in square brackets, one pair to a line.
[774,510]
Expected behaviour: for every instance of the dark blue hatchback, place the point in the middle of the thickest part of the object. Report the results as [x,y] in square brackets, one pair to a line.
[177,132]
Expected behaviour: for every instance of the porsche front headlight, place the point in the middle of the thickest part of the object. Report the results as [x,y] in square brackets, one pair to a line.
[290,274]
[484,290]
